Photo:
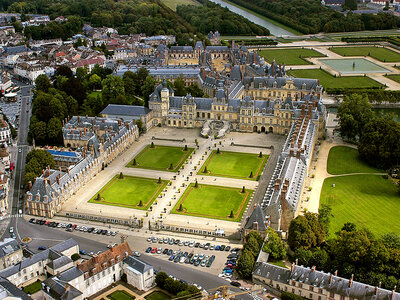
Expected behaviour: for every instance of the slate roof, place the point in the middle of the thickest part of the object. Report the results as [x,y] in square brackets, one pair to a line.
[329,282]
[58,289]
[13,290]
[126,110]
[59,262]
[257,216]
[137,264]
[16,50]
[70,274]
[8,246]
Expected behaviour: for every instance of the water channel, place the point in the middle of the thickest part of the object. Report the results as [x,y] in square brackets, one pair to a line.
[274,29]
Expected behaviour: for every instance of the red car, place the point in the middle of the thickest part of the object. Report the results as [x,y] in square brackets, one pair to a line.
[154,250]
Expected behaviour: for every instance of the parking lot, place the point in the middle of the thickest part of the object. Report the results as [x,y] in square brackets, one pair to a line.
[205,255]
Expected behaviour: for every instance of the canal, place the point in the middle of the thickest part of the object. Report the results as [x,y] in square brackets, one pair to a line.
[274,29]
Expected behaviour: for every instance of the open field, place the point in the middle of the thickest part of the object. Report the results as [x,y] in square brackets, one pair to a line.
[331,82]
[215,202]
[129,192]
[234,165]
[121,295]
[161,158]
[289,56]
[378,53]
[345,160]
[369,201]
[172,4]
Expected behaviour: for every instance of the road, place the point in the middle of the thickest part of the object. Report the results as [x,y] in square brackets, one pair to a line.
[16,203]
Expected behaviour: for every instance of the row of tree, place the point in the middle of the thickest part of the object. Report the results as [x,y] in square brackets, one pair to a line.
[355,251]
[176,287]
[378,136]
[213,17]
[248,256]
[310,16]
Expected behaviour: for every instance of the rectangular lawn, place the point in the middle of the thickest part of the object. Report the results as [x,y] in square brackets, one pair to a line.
[379,53]
[345,160]
[161,158]
[369,201]
[129,191]
[234,165]
[331,82]
[289,57]
[120,295]
[215,202]
[394,77]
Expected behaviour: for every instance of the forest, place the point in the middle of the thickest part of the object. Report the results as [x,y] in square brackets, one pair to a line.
[310,16]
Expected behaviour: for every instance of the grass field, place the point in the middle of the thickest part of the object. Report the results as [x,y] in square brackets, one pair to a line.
[394,77]
[234,165]
[33,287]
[172,4]
[157,295]
[120,295]
[129,191]
[160,158]
[345,160]
[215,202]
[330,82]
[289,57]
[378,53]
[366,200]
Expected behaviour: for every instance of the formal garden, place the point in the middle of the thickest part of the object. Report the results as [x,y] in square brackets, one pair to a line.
[215,202]
[163,158]
[367,199]
[329,81]
[130,192]
[379,53]
[120,295]
[157,295]
[289,57]
[231,164]
[33,287]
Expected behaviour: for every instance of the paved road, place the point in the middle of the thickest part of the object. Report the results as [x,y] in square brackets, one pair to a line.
[16,204]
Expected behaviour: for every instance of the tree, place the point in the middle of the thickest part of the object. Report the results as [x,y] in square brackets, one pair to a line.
[274,245]
[324,216]
[94,82]
[75,257]
[186,148]
[134,162]
[64,71]
[349,227]
[179,87]
[290,296]
[39,131]
[152,145]
[245,264]
[260,155]
[243,189]
[121,176]
[180,208]
[81,73]
[159,180]
[205,169]
[113,86]
[218,151]
[73,87]
[231,215]
[54,129]
[350,4]
[98,198]
[354,113]
[195,90]
[147,88]
[305,232]
[196,184]
[251,174]
[171,166]
[140,203]
[160,279]
[391,240]
[43,83]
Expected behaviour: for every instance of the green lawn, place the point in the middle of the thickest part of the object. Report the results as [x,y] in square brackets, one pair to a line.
[379,53]
[172,4]
[161,158]
[129,191]
[234,165]
[330,82]
[366,200]
[215,202]
[394,77]
[33,287]
[289,57]
[121,295]
[157,295]
[345,160]
[278,263]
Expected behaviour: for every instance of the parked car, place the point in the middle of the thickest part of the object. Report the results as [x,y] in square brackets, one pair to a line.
[165,251]
[171,258]
[42,248]
[32,220]
[83,252]
[222,248]
[169,252]
[148,250]
[154,250]
[227,248]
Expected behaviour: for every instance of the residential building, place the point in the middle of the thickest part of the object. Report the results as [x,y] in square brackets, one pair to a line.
[4,189]
[5,132]
[5,158]
[138,273]
[313,284]
[10,253]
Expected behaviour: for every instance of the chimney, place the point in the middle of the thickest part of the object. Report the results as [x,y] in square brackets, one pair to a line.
[276,187]
[335,273]
[67,170]
[58,179]
[255,226]
[351,280]
[95,259]
[29,185]
[292,267]
[287,181]
[298,153]
[67,288]
[45,181]
[43,171]
[291,153]
[376,290]
[296,261]
[393,292]
[330,278]
[313,269]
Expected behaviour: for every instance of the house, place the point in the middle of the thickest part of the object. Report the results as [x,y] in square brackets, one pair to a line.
[5,132]
[4,188]
[10,253]
[138,273]
[10,291]
[130,113]
[313,284]
[5,157]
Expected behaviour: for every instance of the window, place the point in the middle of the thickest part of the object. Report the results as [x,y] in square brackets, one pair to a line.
[300,285]
[310,296]
[320,291]
[311,288]
[331,295]
[342,297]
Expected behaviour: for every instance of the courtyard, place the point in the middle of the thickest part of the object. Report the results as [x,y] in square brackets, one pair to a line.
[215,202]
[163,158]
[234,164]
[130,192]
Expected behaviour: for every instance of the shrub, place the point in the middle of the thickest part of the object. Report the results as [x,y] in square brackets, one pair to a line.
[75,257]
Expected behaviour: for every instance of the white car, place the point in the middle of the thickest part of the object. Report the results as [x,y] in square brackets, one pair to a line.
[11,229]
